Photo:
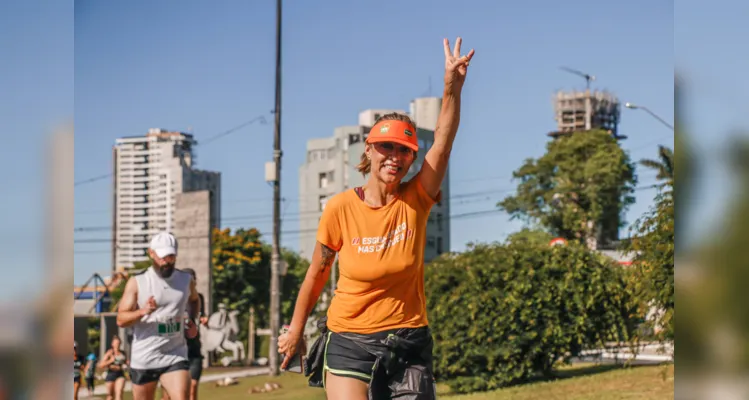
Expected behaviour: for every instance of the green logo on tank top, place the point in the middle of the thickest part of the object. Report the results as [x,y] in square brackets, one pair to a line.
[170,328]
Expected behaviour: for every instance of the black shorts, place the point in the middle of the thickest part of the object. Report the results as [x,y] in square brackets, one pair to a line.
[144,376]
[77,379]
[345,358]
[113,376]
[196,368]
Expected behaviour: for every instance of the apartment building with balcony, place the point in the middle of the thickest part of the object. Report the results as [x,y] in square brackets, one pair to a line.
[148,172]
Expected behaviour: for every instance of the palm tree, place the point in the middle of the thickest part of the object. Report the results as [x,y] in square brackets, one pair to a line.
[664,165]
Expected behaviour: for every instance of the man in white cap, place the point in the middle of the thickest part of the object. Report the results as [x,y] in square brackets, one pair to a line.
[154,304]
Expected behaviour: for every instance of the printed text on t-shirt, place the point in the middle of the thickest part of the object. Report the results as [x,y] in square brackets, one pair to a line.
[374,244]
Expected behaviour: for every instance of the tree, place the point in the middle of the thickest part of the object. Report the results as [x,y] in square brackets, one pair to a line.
[578,190]
[241,276]
[664,166]
[241,271]
[533,236]
[653,265]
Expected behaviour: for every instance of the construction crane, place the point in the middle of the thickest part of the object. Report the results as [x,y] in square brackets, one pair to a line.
[588,78]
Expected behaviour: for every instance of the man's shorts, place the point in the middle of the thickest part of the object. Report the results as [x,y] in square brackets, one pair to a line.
[196,368]
[144,376]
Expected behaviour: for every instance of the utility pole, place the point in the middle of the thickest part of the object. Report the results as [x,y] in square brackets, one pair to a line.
[275,292]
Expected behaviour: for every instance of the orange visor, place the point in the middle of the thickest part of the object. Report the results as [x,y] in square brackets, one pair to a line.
[394,131]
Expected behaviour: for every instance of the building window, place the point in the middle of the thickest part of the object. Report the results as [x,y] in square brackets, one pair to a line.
[323,201]
[325,179]
[439,244]
[376,117]
[430,241]
[439,222]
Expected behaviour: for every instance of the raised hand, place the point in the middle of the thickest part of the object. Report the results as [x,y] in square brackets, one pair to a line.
[456,66]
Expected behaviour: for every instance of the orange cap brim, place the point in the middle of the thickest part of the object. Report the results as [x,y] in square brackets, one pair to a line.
[414,147]
[394,131]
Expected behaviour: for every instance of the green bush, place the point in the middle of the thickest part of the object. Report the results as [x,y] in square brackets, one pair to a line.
[503,314]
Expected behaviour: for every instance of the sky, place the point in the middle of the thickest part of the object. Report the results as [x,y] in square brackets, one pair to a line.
[208,67]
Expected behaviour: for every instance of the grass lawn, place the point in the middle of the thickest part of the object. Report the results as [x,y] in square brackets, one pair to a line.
[581,382]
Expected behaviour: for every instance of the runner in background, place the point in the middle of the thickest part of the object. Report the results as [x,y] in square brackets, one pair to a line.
[194,354]
[154,304]
[78,365]
[115,362]
[378,232]
[89,373]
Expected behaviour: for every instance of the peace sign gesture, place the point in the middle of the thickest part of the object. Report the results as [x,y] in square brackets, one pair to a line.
[456,66]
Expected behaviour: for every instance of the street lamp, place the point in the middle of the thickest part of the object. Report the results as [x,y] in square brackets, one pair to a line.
[647,110]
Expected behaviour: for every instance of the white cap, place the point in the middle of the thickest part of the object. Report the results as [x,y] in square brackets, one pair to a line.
[164,244]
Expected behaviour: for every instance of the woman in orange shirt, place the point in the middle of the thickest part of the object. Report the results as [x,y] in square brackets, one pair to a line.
[376,327]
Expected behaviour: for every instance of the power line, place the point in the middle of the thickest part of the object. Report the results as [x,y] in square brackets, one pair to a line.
[260,118]
[302,231]
[94,179]
[469,214]
[314,214]
[264,218]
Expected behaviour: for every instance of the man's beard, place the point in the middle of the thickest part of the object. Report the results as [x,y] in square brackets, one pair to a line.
[165,271]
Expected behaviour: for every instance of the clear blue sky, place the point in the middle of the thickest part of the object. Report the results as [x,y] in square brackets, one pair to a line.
[210,67]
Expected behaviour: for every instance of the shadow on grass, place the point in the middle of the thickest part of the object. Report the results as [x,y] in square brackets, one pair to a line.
[559,374]
[584,369]
[593,369]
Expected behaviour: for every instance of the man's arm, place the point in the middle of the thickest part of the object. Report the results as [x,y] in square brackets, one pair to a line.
[202,305]
[193,305]
[128,312]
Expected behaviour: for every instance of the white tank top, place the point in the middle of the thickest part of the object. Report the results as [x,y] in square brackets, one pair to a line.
[159,339]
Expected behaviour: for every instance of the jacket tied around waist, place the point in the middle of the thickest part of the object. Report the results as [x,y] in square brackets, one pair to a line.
[403,367]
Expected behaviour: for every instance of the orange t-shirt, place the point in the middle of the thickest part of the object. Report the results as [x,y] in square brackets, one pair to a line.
[380,260]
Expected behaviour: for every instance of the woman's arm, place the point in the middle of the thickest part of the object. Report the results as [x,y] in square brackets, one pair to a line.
[106,360]
[435,162]
[317,276]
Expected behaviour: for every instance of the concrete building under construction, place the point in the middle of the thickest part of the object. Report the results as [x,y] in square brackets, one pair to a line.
[582,111]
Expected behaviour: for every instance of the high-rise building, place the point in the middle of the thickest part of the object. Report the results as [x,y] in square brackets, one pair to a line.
[582,111]
[330,168]
[150,171]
